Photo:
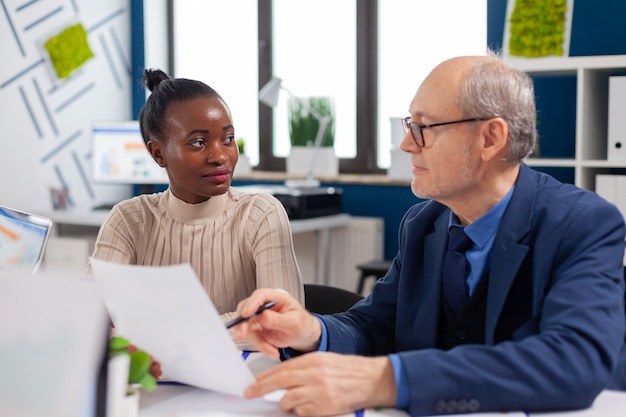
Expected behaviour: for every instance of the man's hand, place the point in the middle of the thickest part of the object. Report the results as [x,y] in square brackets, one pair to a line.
[323,383]
[287,324]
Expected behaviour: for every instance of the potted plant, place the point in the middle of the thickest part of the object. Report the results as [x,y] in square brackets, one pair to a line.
[243,165]
[129,370]
[305,114]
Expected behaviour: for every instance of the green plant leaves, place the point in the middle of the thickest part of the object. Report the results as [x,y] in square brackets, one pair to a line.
[117,344]
[140,362]
[303,124]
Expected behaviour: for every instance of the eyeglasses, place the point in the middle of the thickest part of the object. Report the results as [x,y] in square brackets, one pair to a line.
[416,128]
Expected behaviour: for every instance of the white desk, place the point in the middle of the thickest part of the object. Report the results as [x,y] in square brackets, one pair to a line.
[93,218]
[180,401]
[320,225]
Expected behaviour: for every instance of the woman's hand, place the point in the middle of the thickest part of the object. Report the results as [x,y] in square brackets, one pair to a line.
[287,324]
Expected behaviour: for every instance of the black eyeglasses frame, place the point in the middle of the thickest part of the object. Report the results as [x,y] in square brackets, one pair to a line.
[414,127]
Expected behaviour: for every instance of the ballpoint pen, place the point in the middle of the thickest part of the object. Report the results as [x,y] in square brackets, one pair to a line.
[261,309]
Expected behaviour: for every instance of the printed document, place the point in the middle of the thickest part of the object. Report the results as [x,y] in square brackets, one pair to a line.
[166,312]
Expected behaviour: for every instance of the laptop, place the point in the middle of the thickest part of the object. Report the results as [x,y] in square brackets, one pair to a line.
[23,238]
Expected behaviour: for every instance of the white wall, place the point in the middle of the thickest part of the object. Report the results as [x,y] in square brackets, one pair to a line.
[155,30]
[44,123]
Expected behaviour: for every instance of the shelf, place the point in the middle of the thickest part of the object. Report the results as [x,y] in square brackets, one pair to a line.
[550,162]
[572,95]
[571,163]
[603,164]
[567,65]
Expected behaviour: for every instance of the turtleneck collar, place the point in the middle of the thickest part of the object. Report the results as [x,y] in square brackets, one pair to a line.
[194,213]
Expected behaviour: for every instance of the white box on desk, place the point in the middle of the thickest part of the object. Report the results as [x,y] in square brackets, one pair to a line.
[616,132]
[401,167]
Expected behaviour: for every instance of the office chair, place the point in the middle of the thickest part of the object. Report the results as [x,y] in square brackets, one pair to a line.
[324,299]
[372,269]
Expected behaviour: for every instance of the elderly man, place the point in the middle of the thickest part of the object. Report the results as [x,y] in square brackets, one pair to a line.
[536,319]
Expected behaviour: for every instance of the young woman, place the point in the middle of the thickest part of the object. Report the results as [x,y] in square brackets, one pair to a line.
[235,241]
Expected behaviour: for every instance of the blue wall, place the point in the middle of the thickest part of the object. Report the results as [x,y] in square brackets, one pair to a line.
[598,27]
[596,30]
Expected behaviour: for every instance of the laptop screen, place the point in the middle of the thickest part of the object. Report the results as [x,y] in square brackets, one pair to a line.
[23,238]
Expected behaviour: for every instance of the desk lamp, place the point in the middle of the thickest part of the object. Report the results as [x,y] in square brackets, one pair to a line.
[269,95]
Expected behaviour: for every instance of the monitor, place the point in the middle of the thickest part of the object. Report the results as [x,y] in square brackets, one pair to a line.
[119,155]
[23,238]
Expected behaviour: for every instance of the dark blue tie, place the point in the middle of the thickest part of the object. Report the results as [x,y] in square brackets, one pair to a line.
[455,269]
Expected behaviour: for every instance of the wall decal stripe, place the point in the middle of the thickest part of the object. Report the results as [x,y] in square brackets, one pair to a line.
[66,82]
[17,39]
[119,49]
[60,147]
[43,18]
[107,53]
[30,113]
[25,5]
[106,20]
[45,107]
[83,175]
[61,178]
[74,97]
[20,74]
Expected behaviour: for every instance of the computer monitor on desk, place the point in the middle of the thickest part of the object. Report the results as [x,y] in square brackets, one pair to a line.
[119,155]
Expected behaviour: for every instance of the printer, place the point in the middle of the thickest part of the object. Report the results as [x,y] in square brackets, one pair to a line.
[302,202]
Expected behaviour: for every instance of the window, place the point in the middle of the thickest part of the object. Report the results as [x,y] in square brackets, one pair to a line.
[215,41]
[236,46]
[413,37]
[314,55]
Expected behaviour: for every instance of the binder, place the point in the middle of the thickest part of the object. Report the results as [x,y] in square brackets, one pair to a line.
[616,141]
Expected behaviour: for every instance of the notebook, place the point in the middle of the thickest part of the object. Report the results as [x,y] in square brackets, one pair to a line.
[23,238]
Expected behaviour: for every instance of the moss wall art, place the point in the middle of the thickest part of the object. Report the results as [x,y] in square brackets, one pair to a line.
[68,50]
[538,28]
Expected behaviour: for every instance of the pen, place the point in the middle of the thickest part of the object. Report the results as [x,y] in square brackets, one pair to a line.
[261,309]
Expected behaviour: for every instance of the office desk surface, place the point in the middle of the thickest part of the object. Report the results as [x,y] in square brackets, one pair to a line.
[173,400]
[97,217]
[181,401]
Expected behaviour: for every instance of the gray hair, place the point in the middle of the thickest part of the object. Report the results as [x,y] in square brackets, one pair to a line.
[493,89]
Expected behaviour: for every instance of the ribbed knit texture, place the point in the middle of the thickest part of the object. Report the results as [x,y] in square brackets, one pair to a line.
[235,242]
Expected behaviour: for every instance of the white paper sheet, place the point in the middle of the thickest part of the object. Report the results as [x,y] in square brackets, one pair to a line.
[166,312]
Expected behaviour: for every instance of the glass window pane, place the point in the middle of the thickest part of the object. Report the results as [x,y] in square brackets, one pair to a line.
[315,55]
[413,37]
[215,41]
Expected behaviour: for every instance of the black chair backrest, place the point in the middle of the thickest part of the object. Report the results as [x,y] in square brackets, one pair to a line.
[324,299]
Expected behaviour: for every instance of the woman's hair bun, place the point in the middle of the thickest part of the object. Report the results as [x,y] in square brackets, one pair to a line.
[153,77]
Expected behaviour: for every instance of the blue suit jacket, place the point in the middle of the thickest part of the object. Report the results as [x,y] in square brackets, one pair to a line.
[568,241]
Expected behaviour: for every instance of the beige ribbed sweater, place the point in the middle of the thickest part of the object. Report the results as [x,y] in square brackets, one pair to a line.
[235,242]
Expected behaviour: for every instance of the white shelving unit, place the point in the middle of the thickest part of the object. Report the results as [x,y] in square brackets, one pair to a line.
[592,80]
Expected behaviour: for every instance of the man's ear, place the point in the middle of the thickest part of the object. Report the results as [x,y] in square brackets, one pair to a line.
[155,149]
[495,138]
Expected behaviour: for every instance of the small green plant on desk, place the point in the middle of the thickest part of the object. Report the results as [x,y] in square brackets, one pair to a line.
[141,363]
[241,145]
